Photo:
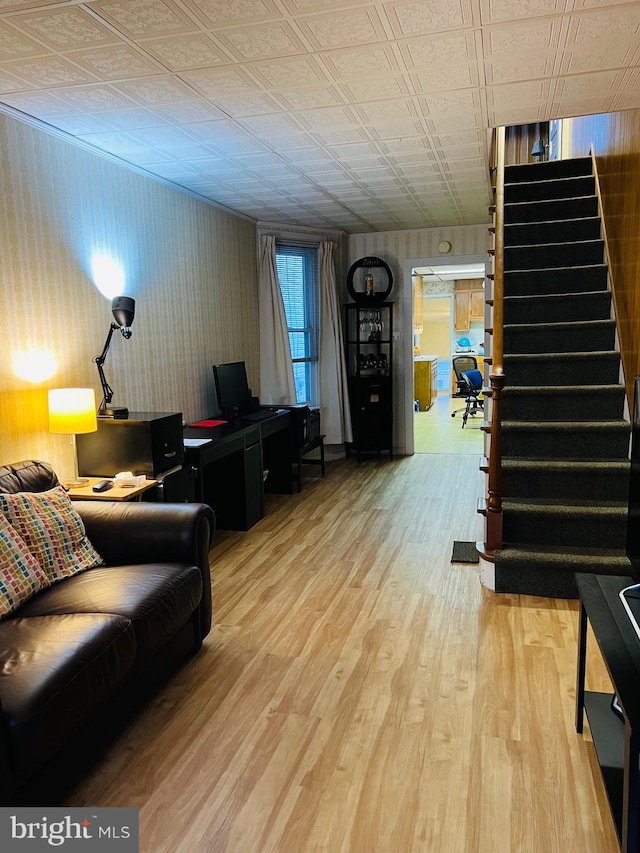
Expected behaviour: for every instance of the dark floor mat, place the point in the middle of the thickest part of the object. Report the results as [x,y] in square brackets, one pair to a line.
[464,552]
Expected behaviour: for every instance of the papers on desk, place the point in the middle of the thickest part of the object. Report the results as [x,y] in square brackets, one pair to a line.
[196,442]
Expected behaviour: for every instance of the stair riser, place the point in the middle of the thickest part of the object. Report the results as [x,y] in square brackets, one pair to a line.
[556,407]
[548,170]
[548,211]
[521,339]
[576,444]
[589,486]
[552,232]
[596,371]
[565,529]
[539,283]
[550,256]
[532,578]
[561,309]
[569,188]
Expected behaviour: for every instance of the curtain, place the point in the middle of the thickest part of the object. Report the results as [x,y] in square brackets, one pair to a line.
[335,417]
[276,370]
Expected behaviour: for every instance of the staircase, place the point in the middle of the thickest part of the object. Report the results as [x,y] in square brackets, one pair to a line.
[565,440]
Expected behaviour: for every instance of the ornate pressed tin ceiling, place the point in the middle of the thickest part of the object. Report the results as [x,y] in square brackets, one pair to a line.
[363,115]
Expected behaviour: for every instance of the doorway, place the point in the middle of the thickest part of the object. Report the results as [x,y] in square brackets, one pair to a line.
[435,336]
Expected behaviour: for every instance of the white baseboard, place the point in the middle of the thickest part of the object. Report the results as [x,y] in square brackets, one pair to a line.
[488,574]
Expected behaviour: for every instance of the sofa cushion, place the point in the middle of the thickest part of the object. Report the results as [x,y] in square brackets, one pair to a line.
[158,598]
[28,476]
[55,672]
[20,573]
[52,530]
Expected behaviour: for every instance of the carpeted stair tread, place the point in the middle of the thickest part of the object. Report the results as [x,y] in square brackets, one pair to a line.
[552,255]
[562,402]
[581,335]
[559,368]
[547,210]
[549,169]
[556,552]
[568,427]
[553,307]
[569,279]
[595,524]
[565,440]
[565,390]
[548,189]
[552,231]
[590,466]
[570,507]
[562,479]
[549,571]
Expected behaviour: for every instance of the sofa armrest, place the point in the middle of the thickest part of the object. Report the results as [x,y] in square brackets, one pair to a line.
[6,780]
[138,533]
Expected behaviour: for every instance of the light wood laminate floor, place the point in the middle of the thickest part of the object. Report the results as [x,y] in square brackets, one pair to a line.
[360,694]
[435,431]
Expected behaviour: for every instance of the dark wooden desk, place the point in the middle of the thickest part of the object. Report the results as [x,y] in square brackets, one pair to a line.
[238,462]
[617,743]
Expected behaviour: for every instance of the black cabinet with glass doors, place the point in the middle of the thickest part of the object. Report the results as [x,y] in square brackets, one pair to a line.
[369,354]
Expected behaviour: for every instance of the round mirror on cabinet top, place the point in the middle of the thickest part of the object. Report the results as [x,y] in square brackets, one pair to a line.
[369,281]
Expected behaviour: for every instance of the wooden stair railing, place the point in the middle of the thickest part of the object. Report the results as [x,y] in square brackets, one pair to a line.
[492,508]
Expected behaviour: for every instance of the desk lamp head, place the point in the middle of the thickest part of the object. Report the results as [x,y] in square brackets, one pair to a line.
[123,310]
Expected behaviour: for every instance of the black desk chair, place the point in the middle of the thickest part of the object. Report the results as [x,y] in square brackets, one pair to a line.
[471,385]
[460,364]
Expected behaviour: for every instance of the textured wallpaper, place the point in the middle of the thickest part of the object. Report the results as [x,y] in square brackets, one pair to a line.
[190,267]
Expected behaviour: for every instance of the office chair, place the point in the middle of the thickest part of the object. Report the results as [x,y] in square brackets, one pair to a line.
[460,364]
[471,382]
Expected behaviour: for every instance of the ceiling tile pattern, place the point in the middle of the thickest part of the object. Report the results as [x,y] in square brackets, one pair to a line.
[359,114]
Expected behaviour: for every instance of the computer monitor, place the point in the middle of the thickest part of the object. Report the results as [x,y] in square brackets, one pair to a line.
[232,388]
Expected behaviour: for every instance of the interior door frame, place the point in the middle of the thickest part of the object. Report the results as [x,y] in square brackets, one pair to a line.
[407,331]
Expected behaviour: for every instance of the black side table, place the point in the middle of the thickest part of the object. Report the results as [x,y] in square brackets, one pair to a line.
[617,743]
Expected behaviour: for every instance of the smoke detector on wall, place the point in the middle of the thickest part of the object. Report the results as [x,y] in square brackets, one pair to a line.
[444,247]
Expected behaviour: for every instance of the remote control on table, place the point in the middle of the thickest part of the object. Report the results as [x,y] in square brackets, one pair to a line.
[103,486]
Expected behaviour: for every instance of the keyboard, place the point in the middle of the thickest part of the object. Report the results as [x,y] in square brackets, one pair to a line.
[260,415]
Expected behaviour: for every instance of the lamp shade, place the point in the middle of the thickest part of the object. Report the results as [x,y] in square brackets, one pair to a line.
[72,411]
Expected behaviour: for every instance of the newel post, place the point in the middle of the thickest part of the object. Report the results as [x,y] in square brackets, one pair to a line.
[494,485]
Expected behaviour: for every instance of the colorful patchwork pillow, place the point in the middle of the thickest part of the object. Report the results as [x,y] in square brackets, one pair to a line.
[20,574]
[52,530]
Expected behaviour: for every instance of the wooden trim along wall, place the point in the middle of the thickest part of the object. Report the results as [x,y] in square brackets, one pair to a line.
[615,140]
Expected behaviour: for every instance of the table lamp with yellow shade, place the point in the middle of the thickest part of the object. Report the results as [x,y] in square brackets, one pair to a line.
[72,411]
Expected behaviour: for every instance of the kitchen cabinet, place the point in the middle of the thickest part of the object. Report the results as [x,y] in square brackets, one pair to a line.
[425,381]
[462,311]
[468,304]
[476,305]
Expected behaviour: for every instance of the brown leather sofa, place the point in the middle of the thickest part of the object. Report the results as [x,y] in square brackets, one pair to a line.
[77,659]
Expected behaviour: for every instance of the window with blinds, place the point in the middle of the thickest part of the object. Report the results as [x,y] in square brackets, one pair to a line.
[298,277]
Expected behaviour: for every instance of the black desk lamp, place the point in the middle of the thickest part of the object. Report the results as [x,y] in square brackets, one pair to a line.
[123,309]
